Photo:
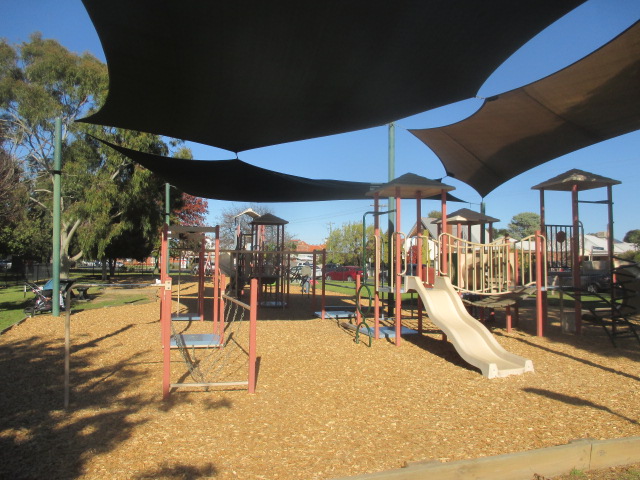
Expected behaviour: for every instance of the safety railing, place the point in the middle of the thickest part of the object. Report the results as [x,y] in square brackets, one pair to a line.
[493,268]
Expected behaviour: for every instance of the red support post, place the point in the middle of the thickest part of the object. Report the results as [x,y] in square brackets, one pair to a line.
[216,276]
[539,299]
[543,230]
[444,246]
[419,272]
[201,269]
[575,267]
[219,328]
[324,297]
[253,321]
[398,270]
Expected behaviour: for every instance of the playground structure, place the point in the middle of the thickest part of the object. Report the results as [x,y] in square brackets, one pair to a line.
[490,270]
[260,254]
[263,265]
[567,250]
[206,355]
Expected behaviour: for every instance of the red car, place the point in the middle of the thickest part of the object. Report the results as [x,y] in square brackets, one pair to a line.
[343,274]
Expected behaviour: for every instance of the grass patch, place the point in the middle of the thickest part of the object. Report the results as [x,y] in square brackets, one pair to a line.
[13,301]
[632,474]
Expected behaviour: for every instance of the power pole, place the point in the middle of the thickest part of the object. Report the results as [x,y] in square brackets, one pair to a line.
[330,228]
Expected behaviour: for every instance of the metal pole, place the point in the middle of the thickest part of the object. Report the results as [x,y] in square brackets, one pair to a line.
[392,216]
[610,247]
[482,229]
[397,272]
[167,214]
[57,166]
[67,349]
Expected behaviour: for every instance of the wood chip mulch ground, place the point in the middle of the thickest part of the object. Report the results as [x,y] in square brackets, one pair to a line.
[325,406]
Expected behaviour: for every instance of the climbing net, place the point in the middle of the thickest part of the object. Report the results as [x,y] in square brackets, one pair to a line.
[217,359]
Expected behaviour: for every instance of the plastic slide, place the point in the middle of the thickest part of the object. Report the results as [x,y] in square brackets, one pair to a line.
[475,344]
[226,264]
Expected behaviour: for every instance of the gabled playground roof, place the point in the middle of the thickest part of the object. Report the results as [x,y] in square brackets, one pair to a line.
[595,99]
[583,180]
[410,185]
[466,216]
[242,75]
[269,219]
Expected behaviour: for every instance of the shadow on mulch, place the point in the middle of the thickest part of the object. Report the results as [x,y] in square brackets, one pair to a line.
[577,401]
[182,472]
[38,439]
[438,347]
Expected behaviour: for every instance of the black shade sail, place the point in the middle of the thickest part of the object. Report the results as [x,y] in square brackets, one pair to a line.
[235,180]
[249,73]
[595,99]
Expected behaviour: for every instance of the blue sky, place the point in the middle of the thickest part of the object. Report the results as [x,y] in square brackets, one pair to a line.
[363,155]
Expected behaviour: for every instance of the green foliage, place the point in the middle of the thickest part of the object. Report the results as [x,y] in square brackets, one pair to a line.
[633,236]
[434,214]
[111,207]
[29,237]
[345,244]
[575,473]
[524,224]
[631,256]
[500,232]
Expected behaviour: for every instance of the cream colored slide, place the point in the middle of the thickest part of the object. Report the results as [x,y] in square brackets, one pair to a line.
[226,264]
[475,344]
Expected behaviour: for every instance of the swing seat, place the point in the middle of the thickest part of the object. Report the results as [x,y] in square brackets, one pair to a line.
[336,314]
[185,317]
[197,340]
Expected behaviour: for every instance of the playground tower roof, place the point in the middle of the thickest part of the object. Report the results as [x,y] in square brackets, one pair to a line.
[409,185]
[269,219]
[584,180]
[466,216]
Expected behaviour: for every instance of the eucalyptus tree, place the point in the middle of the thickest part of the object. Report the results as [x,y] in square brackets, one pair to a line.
[107,201]
[345,244]
[523,224]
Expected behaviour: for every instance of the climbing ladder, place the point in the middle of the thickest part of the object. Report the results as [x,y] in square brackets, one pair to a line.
[613,313]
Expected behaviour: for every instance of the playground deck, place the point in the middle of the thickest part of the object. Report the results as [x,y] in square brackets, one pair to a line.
[324,408]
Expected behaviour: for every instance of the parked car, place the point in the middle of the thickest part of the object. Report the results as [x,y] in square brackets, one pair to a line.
[195,267]
[346,273]
[5,264]
[597,283]
[296,272]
